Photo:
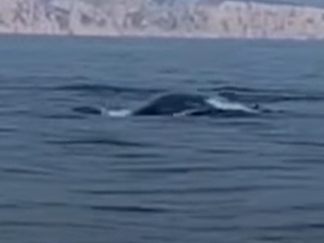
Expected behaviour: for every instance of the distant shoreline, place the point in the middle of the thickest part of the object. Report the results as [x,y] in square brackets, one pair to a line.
[154,38]
[147,19]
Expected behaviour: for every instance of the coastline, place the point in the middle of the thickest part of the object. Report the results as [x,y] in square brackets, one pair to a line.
[144,19]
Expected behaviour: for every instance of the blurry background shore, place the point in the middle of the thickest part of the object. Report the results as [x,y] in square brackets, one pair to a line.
[153,18]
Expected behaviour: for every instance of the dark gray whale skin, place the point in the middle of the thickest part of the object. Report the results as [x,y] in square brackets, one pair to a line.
[171,104]
[174,104]
[87,110]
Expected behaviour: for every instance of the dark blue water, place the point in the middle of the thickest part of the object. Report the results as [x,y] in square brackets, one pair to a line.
[68,177]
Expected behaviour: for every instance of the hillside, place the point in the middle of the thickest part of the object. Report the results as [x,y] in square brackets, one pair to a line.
[205,19]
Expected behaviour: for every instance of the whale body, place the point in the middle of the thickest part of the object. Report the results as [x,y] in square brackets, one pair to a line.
[180,104]
[173,104]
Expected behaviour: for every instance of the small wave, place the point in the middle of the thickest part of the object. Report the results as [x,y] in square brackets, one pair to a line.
[130,209]
[236,89]
[101,88]
[7,130]
[250,95]
[24,171]
[100,141]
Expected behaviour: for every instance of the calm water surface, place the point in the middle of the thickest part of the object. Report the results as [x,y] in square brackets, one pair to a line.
[67,177]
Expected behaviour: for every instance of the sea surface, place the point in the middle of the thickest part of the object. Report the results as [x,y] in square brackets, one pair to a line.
[67,177]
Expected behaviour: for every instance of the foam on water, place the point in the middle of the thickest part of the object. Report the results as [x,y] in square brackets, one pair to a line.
[116,113]
[222,104]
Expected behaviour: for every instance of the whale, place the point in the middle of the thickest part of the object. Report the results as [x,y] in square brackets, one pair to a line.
[180,104]
[175,104]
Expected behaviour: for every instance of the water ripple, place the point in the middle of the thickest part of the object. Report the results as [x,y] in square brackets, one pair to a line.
[254,95]
[130,209]
[298,227]
[44,224]
[24,171]
[7,130]
[189,169]
[184,191]
[99,141]
[100,88]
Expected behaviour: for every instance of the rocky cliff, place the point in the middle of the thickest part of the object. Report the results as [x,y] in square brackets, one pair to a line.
[204,18]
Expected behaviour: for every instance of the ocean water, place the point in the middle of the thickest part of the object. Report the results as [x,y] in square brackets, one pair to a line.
[70,177]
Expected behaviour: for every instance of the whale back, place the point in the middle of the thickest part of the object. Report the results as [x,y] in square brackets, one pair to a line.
[172,104]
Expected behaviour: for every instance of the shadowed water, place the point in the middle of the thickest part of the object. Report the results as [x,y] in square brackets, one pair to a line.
[69,176]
